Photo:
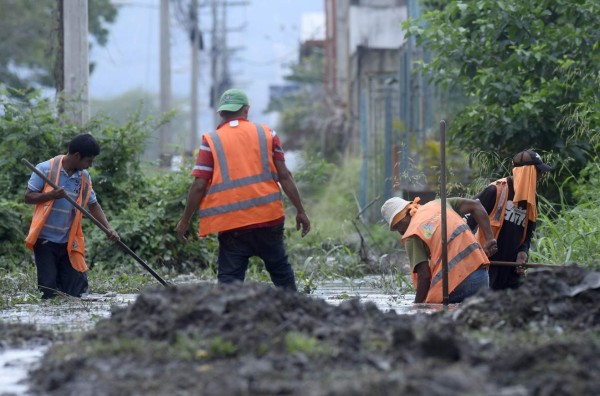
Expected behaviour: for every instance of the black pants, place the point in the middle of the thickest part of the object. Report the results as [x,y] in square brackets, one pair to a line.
[236,248]
[54,270]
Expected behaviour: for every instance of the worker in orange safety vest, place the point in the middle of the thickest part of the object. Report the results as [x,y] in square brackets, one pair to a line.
[420,227]
[55,234]
[239,173]
[512,205]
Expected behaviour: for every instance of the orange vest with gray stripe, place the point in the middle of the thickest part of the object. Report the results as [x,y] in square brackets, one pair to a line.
[498,213]
[76,243]
[465,254]
[244,188]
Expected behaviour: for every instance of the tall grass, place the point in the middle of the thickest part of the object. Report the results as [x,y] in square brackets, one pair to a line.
[571,234]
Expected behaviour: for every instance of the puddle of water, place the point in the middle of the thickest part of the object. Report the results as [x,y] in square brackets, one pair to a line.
[73,315]
[67,315]
[14,365]
[366,290]
[58,316]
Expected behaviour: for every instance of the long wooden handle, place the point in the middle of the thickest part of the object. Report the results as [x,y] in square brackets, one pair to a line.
[526,265]
[95,221]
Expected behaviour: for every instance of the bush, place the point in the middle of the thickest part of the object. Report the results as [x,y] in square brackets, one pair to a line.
[142,202]
[570,234]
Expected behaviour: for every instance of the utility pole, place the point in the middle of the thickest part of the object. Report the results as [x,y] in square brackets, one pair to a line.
[220,77]
[225,81]
[75,60]
[214,72]
[165,79]
[195,42]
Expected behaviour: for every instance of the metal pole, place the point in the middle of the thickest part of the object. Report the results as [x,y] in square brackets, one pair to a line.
[387,145]
[96,222]
[214,64]
[165,79]
[444,220]
[195,73]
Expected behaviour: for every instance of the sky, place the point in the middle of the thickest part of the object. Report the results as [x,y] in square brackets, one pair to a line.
[268,36]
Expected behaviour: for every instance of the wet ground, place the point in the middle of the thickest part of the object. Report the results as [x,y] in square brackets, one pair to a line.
[541,339]
[59,319]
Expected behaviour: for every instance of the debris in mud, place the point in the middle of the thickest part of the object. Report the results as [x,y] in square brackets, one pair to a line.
[254,339]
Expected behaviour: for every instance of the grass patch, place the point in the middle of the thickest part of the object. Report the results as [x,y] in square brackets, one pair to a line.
[570,233]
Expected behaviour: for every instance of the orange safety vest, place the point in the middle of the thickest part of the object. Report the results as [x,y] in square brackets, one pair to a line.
[465,254]
[244,188]
[76,243]
[499,211]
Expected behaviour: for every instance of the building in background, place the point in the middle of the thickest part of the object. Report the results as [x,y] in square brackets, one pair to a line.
[386,107]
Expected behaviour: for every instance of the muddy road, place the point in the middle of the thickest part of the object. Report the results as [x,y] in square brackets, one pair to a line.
[542,339]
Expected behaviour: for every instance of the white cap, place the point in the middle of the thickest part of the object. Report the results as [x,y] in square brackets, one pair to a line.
[391,208]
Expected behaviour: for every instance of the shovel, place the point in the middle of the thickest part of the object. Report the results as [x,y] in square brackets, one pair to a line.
[93,219]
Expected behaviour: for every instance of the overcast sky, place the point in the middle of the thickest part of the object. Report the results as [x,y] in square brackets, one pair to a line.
[272,30]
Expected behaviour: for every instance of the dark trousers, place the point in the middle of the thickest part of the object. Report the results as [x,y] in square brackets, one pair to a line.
[54,270]
[236,248]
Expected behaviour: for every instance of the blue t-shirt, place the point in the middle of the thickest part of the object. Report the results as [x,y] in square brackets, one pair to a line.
[57,226]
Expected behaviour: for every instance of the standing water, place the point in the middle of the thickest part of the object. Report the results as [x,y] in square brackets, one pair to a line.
[59,316]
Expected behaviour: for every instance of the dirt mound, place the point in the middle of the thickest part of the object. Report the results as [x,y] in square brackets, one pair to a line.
[20,335]
[254,339]
[565,298]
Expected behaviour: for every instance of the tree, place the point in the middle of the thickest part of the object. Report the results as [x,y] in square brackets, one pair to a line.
[523,64]
[29,31]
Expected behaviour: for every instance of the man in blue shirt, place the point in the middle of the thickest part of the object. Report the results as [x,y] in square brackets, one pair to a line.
[55,234]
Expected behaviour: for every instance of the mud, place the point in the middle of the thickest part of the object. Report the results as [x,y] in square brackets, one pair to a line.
[253,339]
[24,335]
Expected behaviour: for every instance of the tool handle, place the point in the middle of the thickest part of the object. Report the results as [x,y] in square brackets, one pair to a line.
[526,265]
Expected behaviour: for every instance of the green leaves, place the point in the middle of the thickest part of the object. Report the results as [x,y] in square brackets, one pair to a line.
[515,59]
[29,42]
[142,203]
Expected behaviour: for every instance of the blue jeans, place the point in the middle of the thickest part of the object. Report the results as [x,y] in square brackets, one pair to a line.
[477,280]
[236,248]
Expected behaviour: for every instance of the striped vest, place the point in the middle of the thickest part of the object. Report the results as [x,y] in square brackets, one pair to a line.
[244,188]
[498,213]
[76,243]
[465,254]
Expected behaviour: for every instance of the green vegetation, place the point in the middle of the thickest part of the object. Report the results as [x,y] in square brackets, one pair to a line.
[520,64]
[570,234]
[296,342]
[529,75]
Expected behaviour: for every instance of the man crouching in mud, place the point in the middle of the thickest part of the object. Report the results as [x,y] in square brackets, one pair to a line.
[420,227]
[238,173]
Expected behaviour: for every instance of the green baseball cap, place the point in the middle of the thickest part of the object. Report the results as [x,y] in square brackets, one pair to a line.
[232,100]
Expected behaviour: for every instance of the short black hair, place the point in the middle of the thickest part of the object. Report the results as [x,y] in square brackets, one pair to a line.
[226,114]
[85,145]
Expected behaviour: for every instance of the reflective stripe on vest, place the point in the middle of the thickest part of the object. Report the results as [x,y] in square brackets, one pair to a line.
[452,237]
[232,207]
[455,260]
[501,201]
[227,183]
[54,174]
